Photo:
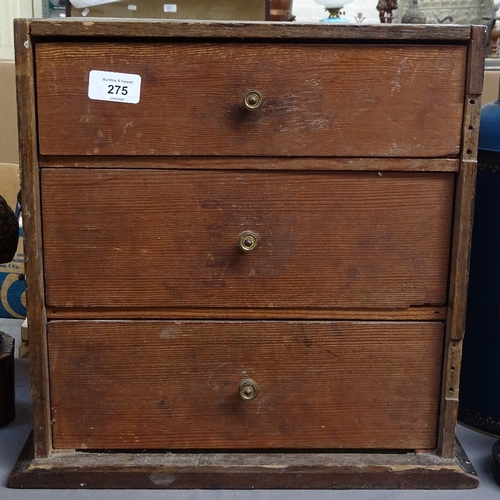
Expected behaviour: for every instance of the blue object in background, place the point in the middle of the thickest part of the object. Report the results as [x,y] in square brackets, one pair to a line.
[13,287]
[479,406]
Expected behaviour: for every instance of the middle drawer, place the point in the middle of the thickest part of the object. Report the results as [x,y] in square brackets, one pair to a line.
[166,238]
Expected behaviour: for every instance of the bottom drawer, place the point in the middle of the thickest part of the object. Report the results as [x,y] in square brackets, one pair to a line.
[175,385]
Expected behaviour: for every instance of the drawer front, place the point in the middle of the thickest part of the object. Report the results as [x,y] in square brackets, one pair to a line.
[175,385]
[318,99]
[170,239]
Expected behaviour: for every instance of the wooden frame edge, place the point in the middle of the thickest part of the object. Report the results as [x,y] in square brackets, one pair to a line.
[30,202]
[244,471]
[462,237]
[240,29]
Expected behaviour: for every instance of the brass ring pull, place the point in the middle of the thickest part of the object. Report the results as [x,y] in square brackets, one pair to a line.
[248,389]
[253,100]
[247,241]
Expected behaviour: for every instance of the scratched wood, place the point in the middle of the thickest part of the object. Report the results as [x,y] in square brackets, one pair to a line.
[155,28]
[170,238]
[244,470]
[180,388]
[30,187]
[415,313]
[460,256]
[249,163]
[319,99]
[357,175]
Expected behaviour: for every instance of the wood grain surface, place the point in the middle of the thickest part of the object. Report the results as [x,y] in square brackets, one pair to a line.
[32,238]
[156,238]
[159,28]
[357,176]
[174,384]
[244,470]
[319,99]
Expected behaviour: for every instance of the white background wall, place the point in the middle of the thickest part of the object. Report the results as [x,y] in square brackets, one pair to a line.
[305,10]
[11,9]
[309,10]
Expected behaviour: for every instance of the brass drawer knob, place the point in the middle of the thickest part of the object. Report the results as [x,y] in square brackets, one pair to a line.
[248,389]
[253,100]
[247,241]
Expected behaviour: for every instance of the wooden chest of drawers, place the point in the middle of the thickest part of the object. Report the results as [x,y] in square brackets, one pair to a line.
[247,251]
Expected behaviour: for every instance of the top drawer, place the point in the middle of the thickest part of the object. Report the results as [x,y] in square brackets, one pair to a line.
[318,99]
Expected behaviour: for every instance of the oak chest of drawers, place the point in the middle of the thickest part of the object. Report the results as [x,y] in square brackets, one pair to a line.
[247,251]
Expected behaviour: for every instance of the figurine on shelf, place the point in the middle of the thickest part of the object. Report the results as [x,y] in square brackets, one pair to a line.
[414,15]
[385,8]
